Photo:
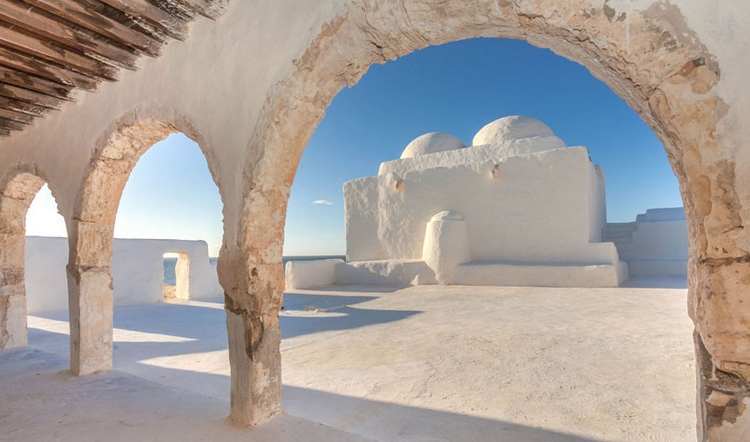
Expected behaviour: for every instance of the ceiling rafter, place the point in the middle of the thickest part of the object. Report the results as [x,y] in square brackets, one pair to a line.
[50,48]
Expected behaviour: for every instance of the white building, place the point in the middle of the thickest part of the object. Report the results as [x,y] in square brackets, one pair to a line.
[518,207]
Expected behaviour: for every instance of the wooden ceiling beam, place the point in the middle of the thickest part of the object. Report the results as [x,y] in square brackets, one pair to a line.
[22,107]
[212,9]
[41,85]
[141,10]
[11,125]
[45,69]
[21,94]
[87,16]
[49,51]
[16,116]
[37,21]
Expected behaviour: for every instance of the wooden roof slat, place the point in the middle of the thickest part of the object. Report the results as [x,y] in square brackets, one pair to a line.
[16,116]
[21,94]
[178,8]
[22,107]
[45,69]
[50,48]
[93,20]
[41,85]
[27,17]
[30,45]
[207,8]
[11,125]
[143,10]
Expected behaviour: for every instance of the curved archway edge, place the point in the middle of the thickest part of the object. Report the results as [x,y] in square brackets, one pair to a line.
[650,58]
[92,231]
[16,194]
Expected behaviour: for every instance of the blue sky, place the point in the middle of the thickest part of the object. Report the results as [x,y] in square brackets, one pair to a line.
[455,88]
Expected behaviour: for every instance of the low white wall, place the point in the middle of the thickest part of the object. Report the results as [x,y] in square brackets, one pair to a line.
[137,271]
[310,274]
[541,275]
[657,245]
[391,273]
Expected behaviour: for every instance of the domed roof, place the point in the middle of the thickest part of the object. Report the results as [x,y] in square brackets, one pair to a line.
[511,128]
[431,143]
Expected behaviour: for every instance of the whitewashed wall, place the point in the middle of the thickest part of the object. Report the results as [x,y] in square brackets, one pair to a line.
[137,271]
[544,207]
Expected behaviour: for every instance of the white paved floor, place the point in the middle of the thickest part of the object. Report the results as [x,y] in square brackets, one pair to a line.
[450,364]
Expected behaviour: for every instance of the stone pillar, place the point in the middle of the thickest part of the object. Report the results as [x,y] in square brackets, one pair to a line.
[720,306]
[13,332]
[15,198]
[90,299]
[252,309]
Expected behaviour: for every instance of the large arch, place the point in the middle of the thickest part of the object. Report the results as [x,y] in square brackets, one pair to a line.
[650,58]
[16,194]
[92,231]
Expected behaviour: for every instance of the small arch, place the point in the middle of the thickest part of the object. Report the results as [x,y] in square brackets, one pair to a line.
[92,233]
[16,194]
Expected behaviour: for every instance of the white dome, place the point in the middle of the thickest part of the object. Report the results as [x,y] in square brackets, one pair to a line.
[431,143]
[511,128]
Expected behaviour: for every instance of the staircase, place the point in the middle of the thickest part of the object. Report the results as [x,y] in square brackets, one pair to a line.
[622,235]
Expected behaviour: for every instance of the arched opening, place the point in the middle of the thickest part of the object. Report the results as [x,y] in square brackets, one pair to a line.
[16,197]
[665,75]
[46,255]
[396,92]
[176,276]
[97,210]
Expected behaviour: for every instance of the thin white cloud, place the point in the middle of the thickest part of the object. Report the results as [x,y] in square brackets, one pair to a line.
[323,202]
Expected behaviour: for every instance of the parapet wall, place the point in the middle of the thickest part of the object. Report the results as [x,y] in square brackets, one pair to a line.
[137,271]
[656,244]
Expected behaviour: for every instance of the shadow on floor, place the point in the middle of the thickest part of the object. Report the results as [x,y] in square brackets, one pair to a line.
[305,314]
[394,422]
[38,394]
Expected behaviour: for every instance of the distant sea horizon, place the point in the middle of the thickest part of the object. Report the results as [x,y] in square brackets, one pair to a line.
[170,263]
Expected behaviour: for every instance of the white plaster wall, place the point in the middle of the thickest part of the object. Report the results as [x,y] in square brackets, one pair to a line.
[538,210]
[361,213]
[659,245]
[45,275]
[598,205]
[391,273]
[137,271]
[310,274]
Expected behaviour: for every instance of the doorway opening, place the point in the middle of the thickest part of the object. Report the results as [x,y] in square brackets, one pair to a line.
[176,276]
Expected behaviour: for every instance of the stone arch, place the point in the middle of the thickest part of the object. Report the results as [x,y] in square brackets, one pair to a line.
[92,231]
[16,194]
[651,58]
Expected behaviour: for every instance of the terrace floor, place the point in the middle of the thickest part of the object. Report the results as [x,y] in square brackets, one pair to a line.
[368,363]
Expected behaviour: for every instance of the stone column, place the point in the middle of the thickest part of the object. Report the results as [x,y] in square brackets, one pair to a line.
[252,275]
[15,199]
[13,332]
[720,307]
[252,307]
[90,299]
